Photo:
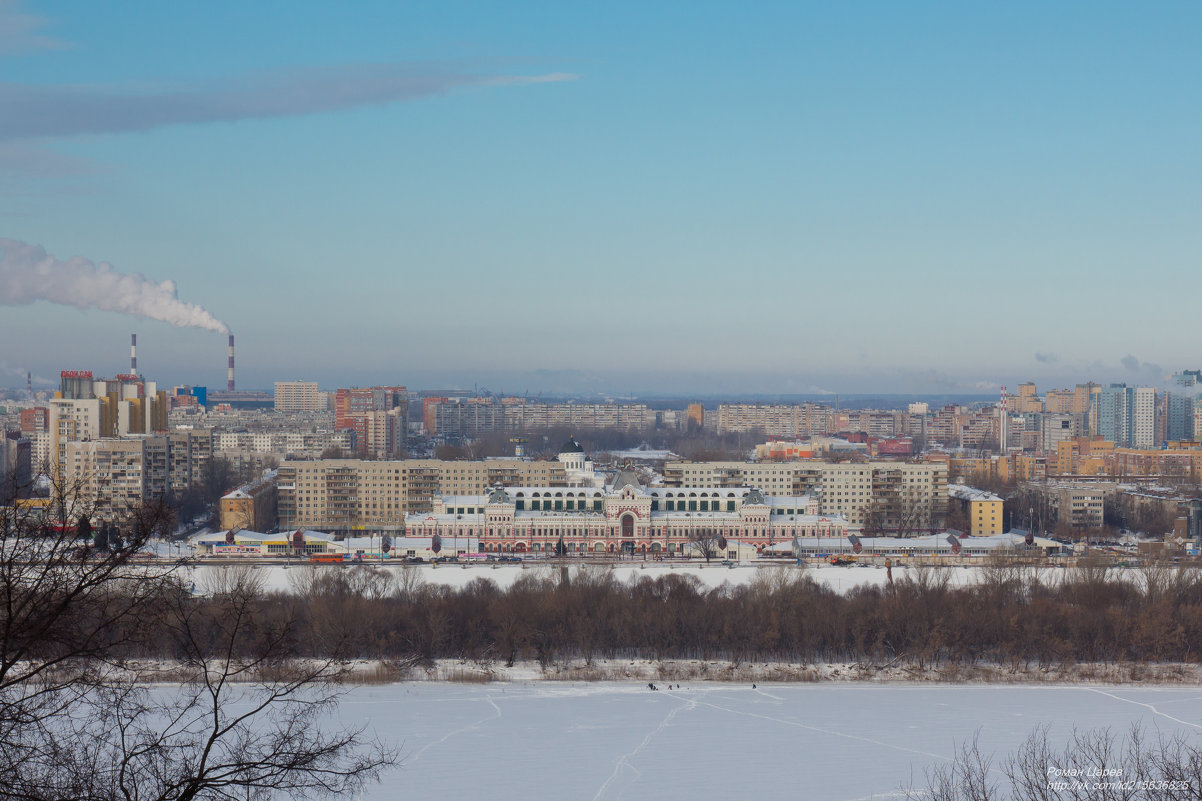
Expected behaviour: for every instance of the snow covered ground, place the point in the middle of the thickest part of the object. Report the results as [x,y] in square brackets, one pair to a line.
[597,741]
[838,578]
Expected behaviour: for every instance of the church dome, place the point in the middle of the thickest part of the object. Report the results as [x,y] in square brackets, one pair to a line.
[571,446]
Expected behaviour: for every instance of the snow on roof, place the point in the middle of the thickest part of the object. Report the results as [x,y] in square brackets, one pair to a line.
[787,500]
[964,492]
[245,535]
[245,490]
[928,542]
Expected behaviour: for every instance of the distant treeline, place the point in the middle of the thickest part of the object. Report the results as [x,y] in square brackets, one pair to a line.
[1012,616]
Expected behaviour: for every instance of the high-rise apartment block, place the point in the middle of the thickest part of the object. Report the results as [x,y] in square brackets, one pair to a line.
[85,409]
[1027,400]
[1125,415]
[378,418]
[298,396]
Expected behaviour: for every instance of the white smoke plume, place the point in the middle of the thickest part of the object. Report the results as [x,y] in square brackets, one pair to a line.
[28,273]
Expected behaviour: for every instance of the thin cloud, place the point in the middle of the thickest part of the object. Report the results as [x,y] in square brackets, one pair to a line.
[48,112]
[1046,358]
[19,30]
[22,160]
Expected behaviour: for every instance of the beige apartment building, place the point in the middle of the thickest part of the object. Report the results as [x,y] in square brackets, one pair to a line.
[1080,507]
[776,420]
[298,396]
[352,495]
[901,497]
[188,455]
[118,476]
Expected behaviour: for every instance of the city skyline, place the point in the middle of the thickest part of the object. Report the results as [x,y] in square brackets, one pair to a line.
[569,383]
[793,199]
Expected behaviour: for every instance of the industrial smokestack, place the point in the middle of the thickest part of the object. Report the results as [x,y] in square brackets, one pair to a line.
[230,382]
[133,354]
[29,384]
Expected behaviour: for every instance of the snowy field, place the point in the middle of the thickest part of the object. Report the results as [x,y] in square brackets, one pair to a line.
[276,577]
[822,742]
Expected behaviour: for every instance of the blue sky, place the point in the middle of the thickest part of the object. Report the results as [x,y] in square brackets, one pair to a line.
[692,197]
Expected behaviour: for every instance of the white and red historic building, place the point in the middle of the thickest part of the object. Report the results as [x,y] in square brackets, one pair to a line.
[623,517]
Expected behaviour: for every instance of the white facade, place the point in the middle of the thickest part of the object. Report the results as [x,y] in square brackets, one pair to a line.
[1143,418]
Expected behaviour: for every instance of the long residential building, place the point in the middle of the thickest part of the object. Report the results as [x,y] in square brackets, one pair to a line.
[341,495]
[776,420]
[905,497]
[470,416]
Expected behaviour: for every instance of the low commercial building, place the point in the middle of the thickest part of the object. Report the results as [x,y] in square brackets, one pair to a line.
[246,543]
[945,545]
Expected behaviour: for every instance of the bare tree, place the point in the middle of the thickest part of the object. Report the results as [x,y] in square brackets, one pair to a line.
[78,718]
[705,541]
[1093,766]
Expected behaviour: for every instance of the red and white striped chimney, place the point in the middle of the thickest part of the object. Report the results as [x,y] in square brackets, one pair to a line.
[230,382]
[133,354]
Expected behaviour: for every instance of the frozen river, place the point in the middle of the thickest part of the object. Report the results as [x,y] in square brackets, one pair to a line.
[554,741]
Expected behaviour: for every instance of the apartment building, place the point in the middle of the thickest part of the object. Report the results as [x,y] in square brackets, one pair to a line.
[1057,427]
[1125,415]
[89,409]
[1026,400]
[283,444]
[1058,401]
[887,496]
[116,477]
[188,454]
[776,420]
[351,495]
[298,396]
[16,466]
[1078,506]
[378,418]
